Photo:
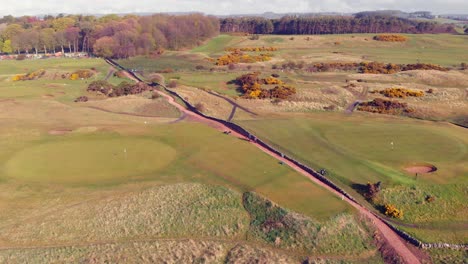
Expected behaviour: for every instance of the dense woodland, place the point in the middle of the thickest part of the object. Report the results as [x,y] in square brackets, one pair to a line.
[108,36]
[292,25]
[123,37]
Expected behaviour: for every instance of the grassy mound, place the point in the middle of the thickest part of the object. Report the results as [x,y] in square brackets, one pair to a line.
[277,226]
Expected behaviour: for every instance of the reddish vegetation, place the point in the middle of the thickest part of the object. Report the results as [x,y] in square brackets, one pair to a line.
[423,66]
[382,106]
[251,86]
[251,49]
[122,89]
[382,68]
[81,99]
[379,68]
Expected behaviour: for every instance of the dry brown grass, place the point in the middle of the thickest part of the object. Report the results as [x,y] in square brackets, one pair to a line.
[138,105]
[189,210]
[186,251]
[248,254]
[214,106]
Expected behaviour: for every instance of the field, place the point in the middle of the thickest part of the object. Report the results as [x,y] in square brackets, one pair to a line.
[124,178]
[355,150]
[132,178]
[320,127]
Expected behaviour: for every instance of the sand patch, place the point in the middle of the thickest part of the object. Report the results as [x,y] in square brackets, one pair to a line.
[421,169]
[57,132]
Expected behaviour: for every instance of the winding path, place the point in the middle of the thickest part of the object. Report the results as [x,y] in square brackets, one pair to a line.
[392,238]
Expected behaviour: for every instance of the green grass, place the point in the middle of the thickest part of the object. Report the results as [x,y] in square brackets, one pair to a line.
[175,61]
[89,159]
[215,45]
[215,81]
[355,150]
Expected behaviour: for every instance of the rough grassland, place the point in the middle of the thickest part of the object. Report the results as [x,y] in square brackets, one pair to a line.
[440,49]
[167,211]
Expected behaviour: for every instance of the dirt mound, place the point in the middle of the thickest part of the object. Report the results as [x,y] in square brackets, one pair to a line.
[421,169]
[56,132]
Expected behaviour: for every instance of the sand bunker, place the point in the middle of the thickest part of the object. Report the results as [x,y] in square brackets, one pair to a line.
[421,169]
[59,131]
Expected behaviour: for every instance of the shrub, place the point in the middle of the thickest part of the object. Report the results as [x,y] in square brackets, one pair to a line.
[172,84]
[379,68]
[81,74]
[463,65]
[200,107]
[254,37]
[392,211]
[120,74]
[382,106]
[81,99]
[155,95]
[124,88]
[275,75]
[331,66]
[29,76]
[21,57]
[199,67]
[401,93]
[240,57]
[372,189]
[74,76]
[430,91]
[231,66]
[251,49]
[390,38]
[423,66]
[430,199]
[251,85]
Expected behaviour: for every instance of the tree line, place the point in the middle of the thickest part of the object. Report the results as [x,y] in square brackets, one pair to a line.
[295,25]
[108,36]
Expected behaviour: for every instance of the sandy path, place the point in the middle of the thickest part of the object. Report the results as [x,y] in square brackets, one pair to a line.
[388,234]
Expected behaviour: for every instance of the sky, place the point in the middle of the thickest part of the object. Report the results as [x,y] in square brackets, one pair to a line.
[225,7]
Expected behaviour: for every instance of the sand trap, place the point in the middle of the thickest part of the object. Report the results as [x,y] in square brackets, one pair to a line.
[421,169]
[59,131]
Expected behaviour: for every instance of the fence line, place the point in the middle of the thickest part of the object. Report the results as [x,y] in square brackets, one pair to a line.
[407,237]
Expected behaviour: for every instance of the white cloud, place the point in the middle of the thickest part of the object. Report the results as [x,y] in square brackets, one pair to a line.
[223,7]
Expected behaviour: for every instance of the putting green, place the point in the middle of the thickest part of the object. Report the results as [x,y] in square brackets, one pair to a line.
[90,160]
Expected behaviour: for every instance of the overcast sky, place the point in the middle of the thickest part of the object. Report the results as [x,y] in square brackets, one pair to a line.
[224,7]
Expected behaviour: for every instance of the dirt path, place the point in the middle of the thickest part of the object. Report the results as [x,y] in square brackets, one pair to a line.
[233,112]
[109,73]
[387,233]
